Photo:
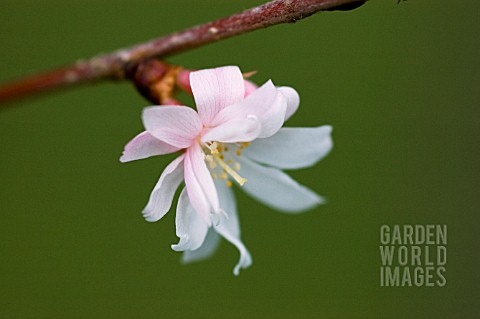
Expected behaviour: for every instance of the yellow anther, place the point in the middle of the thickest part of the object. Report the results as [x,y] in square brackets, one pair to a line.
[229,183]
[227,169]
[238,152]
[223,175]
[236,166]
[230,161]
[244,145]
[214,148]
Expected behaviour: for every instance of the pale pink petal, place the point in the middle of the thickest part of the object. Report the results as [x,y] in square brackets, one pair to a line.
[172,102]
[200,187]
[266,103]
[174,125]
[145,145]
[257,103]
[292,147]
[214,89]
[197,197]
[238,130]
[293,100]
[190,227]
[276,189]
[162,195]
[229,227]
[183,80]
[249,87]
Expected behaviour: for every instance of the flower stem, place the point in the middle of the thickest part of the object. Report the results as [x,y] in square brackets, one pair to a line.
[114,65]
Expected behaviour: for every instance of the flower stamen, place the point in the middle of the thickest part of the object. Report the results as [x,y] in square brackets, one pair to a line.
[216,156]
[227,169]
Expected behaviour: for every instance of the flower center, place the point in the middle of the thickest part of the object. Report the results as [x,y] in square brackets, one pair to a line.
[220,158]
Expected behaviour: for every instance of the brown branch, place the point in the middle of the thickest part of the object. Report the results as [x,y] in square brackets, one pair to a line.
[114,65]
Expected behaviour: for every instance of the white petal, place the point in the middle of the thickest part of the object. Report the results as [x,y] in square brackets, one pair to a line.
[214,89]
[273,119]
[162,195]
[174,125]
[237,130]
[266,103]
[145,145]
[208,248]
[293,100]
[275,188]
[229,227]
[200,187]
[292,147]
[190,227]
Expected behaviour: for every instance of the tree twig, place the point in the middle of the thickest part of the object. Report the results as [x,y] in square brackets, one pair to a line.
[113,66]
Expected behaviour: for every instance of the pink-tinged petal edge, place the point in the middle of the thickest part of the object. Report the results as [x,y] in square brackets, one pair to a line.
[249,87]
[200,187]
[266,103]
[174,125]
[238,130]
[162,195]
[215,89]
[145,145]
[257,103]
[183,80]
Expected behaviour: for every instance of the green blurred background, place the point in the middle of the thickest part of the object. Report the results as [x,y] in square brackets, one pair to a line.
[399,84]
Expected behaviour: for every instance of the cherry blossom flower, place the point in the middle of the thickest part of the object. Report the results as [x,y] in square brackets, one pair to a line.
[235,137]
